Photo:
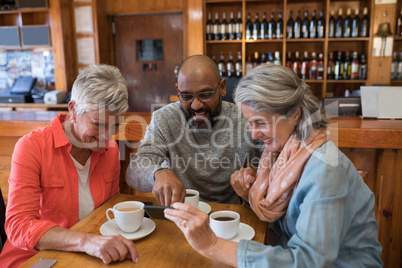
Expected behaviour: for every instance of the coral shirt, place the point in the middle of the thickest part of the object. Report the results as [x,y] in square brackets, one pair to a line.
[43,188]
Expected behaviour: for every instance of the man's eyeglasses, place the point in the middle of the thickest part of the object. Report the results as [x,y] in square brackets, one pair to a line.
[204,96]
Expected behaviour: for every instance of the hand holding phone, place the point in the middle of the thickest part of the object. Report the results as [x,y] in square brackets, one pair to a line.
[155,212]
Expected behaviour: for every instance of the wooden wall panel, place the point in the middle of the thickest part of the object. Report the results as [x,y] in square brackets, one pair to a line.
[104,26]
[62,43]
[121,7]
[365,162]
[193,25]
[389,196]
[193,28]
[381,63]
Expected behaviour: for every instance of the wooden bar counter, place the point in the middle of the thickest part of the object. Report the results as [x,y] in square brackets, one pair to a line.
[374,146]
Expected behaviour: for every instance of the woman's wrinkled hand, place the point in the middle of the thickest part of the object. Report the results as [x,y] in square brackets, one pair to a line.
[242,180]
[111,248]
[194,224]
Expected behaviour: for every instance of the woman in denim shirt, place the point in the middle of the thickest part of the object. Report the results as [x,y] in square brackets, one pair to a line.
[322,210]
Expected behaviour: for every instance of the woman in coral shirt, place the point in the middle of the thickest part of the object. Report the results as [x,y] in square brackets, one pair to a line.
[61,173]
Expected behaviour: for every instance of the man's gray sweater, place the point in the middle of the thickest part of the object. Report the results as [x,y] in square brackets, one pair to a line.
[202,161]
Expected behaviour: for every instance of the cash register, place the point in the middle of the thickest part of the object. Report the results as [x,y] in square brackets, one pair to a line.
[20,92]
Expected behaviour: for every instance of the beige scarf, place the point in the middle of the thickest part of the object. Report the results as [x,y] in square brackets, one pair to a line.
[278,176]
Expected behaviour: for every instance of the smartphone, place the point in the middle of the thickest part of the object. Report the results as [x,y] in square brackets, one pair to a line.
[155,212]
[44,263]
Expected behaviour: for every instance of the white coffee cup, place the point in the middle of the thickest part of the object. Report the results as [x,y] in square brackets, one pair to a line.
[127,215]
[225,223]
[192,197]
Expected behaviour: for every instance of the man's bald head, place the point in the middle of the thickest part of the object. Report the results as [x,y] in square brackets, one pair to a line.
[199,65]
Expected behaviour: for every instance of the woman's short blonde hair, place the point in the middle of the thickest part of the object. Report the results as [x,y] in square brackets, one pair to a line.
[100,87]
[277,89]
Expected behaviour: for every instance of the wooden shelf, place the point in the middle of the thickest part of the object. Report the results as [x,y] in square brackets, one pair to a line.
[325,45]
[223,1]
[349,81]
[224,42]
[306,40]
[350,39]
[264,41]
[313,81]
[33,10]
[33,48]
[5,12]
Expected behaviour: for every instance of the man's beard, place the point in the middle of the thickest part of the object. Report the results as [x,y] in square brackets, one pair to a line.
[204,126]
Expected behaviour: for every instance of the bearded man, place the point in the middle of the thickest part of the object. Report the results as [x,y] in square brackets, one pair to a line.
[195,143]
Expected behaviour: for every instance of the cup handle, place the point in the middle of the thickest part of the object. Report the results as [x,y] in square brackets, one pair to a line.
[107,215]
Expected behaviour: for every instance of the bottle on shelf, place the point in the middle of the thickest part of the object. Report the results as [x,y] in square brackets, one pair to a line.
[230,67]
[298,26]
[289,26]
[272,27]
[264,27]
[338,68]
[224,27]
[399,24]
[213,57]
[289,62]
[231,28]
[313,25]
[356,24]
[256,28]
[279,26]
[222,66]
[263,58]
[365,24]
[399,76]
[238,65]
[277,60]
[331,66]
[321,25]
[355,65]
[313,66]
[256,59]
[249,27]
[217,28]
[209,27]
[339,25]
[297,64]
[346,66]
[305,25]
[363,67]
[249,64]
[304,70]
[270,60]
[347,26]
[331,25]
[394,66]
[239,27]
[320,67]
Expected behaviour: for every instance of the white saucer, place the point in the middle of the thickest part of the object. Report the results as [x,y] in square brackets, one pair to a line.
[111,228]
[204,207]
[246,232]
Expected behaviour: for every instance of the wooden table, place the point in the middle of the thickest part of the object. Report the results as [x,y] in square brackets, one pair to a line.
[164,247]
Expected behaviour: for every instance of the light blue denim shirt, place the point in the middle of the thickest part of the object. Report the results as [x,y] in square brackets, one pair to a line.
[330,220]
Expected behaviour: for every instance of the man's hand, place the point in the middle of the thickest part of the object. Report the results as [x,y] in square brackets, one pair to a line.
[167,188]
